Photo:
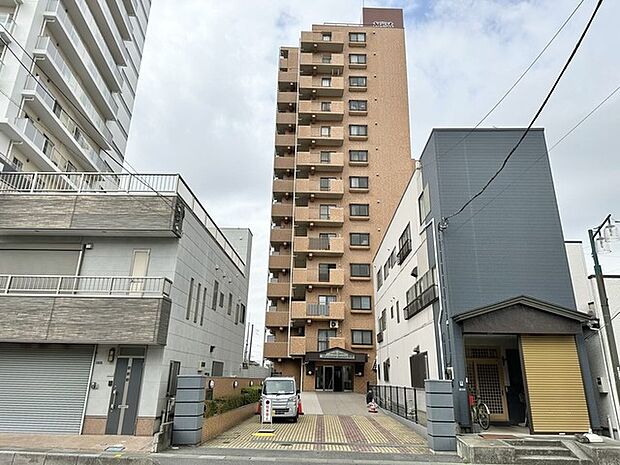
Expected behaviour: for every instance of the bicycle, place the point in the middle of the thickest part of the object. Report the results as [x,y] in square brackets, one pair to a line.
[480,413]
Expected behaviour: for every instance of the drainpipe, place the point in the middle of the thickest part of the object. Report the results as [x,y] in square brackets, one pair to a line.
[78,269]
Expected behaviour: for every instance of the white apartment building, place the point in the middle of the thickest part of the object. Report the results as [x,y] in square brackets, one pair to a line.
[68,76]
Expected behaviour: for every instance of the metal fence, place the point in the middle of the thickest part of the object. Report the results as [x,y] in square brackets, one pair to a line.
[406,402]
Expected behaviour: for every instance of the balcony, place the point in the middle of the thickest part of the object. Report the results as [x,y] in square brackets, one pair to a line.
[312,277]
[317,86]
[6,27]
[32,143]
[278,290]
[39,98]
[285,143]
[75,50]
[281,236]
[316,311]
[319,246]
[275,319]
[316,63]
[311,111]
[152,205]
[287,81]
[284,165]
[281,211]
[274,350]
[298,345]
[84,309]
[119,13]
[286,120]
[286,101]
[282,187]
[320,188]
[105,20]
[314,216]
[310,136]
[321,161]
[279,262]
[54,65]
[315,42]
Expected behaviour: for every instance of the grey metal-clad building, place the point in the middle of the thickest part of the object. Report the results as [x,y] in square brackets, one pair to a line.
[506,290]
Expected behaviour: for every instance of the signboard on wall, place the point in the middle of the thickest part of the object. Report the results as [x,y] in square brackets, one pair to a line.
[383,17]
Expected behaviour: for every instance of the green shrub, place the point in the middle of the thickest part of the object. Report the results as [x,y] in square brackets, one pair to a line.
[247,396]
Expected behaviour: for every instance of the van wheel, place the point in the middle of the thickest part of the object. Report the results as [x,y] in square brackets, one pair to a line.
[295,418]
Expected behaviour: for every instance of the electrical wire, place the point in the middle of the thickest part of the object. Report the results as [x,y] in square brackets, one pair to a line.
[555,144]
[519,79]
[536,115]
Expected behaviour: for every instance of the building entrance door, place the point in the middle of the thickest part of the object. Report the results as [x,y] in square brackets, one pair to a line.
[338,384]
[486,379]
[324,380]
[123,407]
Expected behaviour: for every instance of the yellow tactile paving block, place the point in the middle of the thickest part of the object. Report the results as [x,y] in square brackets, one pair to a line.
[378,434]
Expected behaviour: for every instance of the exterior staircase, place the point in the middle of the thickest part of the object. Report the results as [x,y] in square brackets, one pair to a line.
[547,452]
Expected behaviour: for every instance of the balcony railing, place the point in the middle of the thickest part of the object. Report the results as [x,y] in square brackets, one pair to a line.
[35,85]
[422,301]
[114,286]
[41,142]
[404,251]
[317,309]
[7,23]
[54,6]
[45,43]
[118,184]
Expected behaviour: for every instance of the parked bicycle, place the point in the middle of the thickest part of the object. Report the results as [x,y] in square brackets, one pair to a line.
[479,412]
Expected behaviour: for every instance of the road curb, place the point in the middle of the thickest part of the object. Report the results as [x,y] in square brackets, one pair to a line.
[70,458]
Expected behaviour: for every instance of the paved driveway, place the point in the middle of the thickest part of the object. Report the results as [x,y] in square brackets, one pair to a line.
[332,422]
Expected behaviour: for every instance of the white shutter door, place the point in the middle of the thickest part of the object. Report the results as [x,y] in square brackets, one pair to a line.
[43,387]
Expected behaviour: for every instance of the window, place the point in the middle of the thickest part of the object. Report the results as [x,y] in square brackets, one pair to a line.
[237,309]
[221,299]
[358,105]
[204,305]
[197,303]
[358,81]
[326,36]
[379,279]
[326,157]
[326,58]
[357,37]
[424,204]
[230,297]
[361,337]
[217,368]
[397,312]
[359,156]
[422,294]
[358,182]
[324,212]
[386,370]
[360,270]
[382,321]
[188,308]
[323,339]
[325,184]
[325,131]
[360,302]
[357,58]
[326,106]
[324,271]
[18,164]
[359,209]
[216,289]
[242,314]
[404,244]
[326,82]
[358,130]
[418,368]
[70,167]
[386,269]
[359,239]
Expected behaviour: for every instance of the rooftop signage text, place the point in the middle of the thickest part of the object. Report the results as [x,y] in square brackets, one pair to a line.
[383,24]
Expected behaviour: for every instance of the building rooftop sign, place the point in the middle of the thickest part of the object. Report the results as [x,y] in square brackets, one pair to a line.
[383,17]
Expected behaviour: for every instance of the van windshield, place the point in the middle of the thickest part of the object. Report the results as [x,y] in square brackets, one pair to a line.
[279,387]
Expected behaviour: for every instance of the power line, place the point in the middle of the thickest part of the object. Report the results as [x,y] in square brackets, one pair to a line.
[555,144]
[88,120]
[519,79]
[536,115]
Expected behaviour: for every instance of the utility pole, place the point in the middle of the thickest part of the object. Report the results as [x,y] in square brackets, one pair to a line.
[251,340]
[602,292]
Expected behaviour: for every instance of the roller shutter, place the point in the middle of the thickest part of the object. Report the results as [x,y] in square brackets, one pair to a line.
[554,384]
[43,387]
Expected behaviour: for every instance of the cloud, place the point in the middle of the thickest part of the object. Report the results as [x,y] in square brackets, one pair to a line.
[206,97]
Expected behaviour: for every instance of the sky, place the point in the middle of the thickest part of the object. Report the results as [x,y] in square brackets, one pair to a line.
[205,104]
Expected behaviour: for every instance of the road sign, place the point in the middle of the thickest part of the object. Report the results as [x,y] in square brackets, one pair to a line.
[266,411]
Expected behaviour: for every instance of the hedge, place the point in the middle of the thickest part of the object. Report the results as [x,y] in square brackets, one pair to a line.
[249,395]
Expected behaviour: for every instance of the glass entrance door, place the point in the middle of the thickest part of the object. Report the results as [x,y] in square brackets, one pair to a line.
[324,379]
[347,377]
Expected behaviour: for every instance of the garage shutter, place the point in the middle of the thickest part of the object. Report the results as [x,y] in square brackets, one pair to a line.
[554,384]
[43,387]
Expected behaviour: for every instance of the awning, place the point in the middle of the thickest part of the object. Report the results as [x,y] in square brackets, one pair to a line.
[336,355]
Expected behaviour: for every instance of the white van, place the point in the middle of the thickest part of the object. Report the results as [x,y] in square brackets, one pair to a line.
[284,397]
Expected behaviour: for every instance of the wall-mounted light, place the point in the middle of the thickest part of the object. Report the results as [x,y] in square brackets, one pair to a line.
[416,349]
[235,384]
[211,349]
[88,246]
[211,384]
[251,382]
[111,354]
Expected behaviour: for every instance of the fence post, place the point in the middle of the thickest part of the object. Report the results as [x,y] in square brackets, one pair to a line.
[406,409]
[415,405]
[397,402]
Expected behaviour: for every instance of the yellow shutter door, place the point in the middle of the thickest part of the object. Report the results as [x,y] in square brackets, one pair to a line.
[556,397]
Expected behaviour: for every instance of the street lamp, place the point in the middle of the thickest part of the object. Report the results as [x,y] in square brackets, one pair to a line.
[606,232]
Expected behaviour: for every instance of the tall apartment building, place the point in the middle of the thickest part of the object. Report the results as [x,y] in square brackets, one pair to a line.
[68,81]
[342,159]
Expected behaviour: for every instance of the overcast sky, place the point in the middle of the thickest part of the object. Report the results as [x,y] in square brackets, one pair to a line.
[205,105]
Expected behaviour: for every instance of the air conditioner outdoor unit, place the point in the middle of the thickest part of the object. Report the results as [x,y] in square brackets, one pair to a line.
[333,324]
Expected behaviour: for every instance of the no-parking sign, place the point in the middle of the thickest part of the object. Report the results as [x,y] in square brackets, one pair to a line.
[266,411]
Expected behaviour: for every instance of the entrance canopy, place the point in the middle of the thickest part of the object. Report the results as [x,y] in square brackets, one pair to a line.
[522,315]
[336,355]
